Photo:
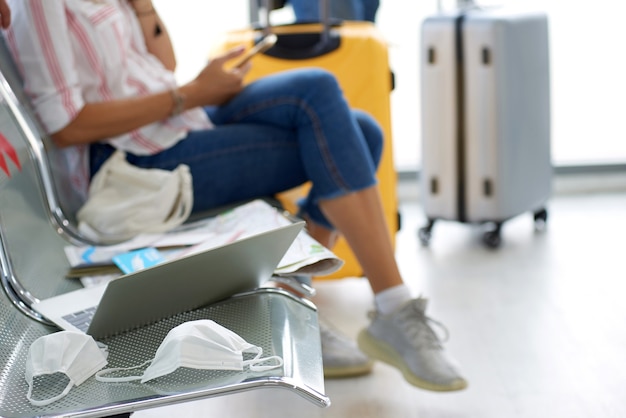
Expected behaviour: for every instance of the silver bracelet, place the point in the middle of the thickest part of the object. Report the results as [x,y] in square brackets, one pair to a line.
[179,102]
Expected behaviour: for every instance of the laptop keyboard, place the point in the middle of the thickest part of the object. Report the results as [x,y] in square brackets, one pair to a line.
[81,319]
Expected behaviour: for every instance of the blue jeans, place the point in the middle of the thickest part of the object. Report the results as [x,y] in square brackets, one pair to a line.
[278,133]
[309,10]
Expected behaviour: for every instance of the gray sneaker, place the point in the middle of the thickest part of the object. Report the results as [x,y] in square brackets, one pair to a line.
[340,355]
[405,340]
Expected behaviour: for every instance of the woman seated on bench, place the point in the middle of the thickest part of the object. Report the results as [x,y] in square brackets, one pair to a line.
[100,73]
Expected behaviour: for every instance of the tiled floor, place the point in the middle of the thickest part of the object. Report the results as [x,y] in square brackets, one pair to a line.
[537,325]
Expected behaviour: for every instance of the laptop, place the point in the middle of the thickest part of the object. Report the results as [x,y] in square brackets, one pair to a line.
[154,293]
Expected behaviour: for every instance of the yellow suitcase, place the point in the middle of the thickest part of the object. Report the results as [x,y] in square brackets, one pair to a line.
[358,56]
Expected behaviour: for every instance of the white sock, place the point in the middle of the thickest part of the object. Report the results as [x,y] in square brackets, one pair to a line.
[389,300]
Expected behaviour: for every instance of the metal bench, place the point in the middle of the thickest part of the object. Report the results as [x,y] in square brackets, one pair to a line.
[36,223]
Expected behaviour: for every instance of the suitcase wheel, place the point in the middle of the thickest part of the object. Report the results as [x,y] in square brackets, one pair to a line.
[541,219]
[493,238]
[425,233]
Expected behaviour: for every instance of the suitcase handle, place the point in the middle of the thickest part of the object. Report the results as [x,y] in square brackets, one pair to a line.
[269,5]
[460,5]
[299,46]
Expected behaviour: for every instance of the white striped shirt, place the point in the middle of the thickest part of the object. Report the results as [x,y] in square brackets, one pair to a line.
[72,52]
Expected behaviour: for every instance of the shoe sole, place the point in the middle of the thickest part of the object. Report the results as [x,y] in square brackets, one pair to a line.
[344,372]
[387,354]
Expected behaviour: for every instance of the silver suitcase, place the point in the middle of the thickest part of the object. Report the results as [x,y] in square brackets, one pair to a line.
[485,97]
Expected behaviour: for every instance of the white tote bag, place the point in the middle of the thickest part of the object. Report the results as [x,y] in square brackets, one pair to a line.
[125,201]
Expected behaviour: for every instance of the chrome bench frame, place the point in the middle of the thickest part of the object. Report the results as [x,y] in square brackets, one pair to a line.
[35,227]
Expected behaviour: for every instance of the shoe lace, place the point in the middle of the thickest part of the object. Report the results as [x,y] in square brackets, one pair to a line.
[328,333]
[418,325]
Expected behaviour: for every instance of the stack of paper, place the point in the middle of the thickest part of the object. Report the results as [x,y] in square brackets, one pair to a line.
[306,256]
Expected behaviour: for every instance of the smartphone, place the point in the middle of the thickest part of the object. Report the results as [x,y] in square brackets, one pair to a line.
[262,46]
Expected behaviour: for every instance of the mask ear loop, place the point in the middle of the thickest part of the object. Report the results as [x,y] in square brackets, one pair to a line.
[101,378]
[45,402]
[255,368]
[258,360]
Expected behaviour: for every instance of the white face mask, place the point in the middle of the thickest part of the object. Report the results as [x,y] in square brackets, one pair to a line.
[201,344]
[74,354]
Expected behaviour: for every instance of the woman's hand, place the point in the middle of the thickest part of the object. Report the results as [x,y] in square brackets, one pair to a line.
[5,14]
[215,85]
